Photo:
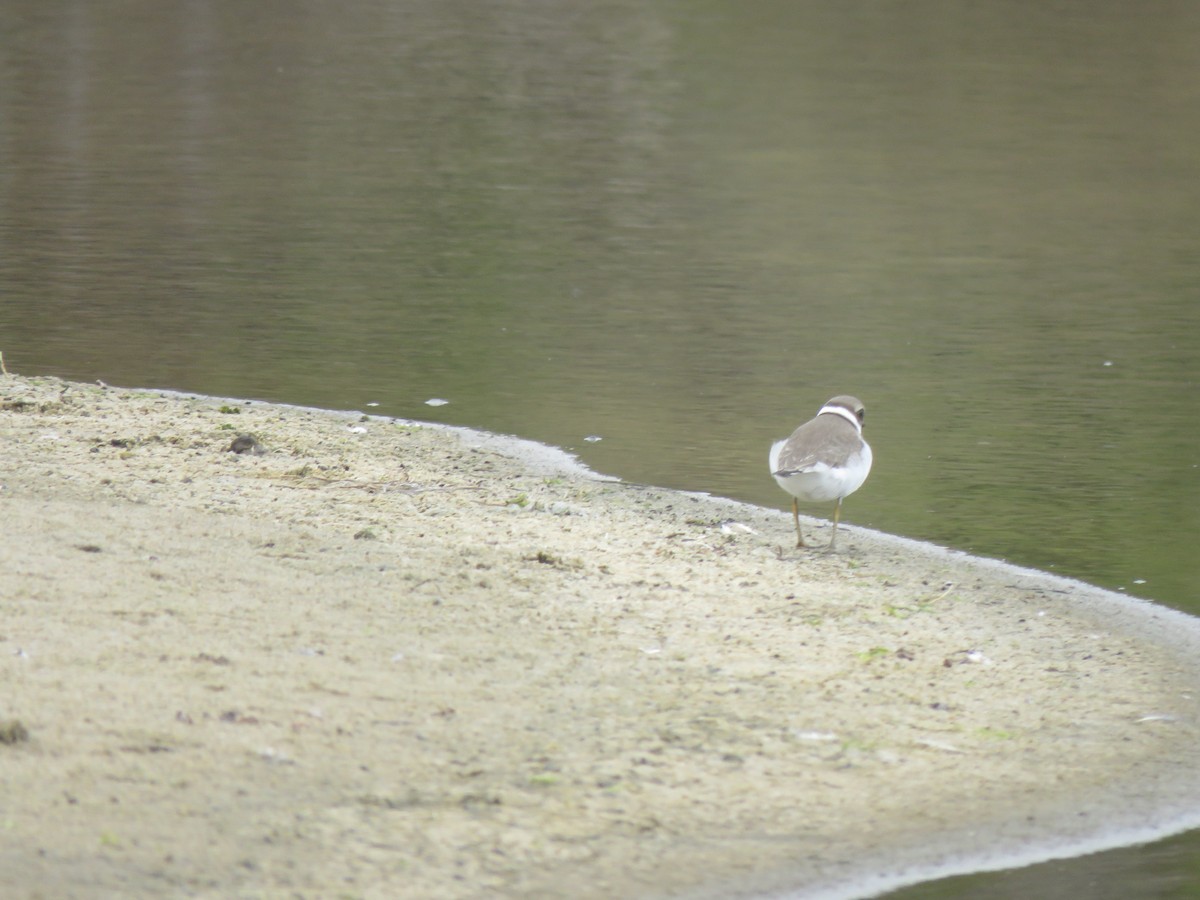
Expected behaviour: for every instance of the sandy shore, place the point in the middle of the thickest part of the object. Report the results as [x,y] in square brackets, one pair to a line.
[380,659]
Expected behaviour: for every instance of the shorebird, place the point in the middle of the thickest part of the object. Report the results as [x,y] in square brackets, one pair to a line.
[825,459]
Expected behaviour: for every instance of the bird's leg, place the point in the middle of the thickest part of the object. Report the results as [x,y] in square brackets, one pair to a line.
[796,518]
[837,512]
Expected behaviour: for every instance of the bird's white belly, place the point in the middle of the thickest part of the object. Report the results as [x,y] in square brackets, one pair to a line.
[822,483]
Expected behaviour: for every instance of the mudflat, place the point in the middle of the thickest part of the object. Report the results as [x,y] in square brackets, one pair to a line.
[375,658]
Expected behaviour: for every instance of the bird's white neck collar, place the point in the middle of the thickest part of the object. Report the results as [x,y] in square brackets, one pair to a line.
[844,413]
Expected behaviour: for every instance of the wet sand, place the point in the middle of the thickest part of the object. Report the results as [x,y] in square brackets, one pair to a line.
[381,659]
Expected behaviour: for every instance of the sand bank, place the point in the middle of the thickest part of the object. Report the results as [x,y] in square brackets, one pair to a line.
[381,659]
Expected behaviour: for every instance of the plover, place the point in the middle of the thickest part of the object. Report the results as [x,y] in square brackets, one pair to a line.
[825,459]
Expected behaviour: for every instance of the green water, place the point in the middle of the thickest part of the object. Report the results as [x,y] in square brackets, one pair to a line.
[675,227]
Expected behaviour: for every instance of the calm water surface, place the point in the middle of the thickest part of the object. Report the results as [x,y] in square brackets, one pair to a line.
[677,227]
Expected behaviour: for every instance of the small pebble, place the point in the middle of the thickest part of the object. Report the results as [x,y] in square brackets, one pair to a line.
[246,443]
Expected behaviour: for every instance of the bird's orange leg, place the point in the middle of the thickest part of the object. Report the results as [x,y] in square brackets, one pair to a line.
[837,512]
[796,518]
